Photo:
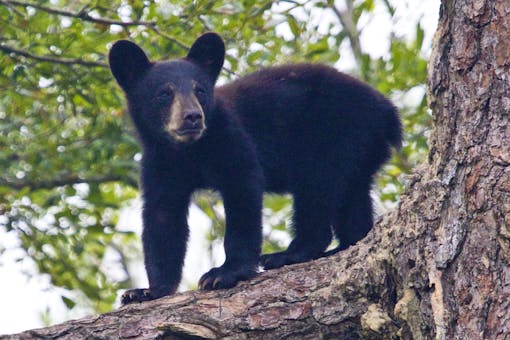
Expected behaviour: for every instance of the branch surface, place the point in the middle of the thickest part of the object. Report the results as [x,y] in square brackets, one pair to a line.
[341,296]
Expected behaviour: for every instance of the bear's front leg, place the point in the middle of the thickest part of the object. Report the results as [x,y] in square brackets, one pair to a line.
[243,237]
[165,234]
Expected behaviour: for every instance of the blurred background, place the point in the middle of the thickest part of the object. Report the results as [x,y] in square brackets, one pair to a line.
[69,201]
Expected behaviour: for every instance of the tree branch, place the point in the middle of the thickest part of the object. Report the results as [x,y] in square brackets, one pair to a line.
[169,38]
[82,15]
[63,61]
[337,297]
[350,29]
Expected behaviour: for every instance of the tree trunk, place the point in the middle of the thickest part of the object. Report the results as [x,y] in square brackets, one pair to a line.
[436,267]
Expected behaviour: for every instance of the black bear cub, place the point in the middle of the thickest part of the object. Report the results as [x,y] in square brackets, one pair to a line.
[303,129]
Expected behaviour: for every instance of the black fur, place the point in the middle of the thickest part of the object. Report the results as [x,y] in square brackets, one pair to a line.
[305,129]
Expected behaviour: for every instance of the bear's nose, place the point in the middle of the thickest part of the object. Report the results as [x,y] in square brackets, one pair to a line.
[193,117]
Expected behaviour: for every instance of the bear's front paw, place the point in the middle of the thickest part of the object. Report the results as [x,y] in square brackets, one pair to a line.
[136,295]
[225,277]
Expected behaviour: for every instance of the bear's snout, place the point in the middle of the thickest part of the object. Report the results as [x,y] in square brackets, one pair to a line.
[192,119]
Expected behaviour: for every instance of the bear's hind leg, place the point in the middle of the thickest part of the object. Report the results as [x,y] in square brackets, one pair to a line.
[354,219]
[312,232]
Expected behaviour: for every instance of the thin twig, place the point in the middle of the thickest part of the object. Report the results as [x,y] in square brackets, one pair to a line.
[169,38]
[78,15]
[350,29]
[64,61]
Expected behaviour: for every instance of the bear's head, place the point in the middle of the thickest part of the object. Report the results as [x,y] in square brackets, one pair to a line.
[170,99]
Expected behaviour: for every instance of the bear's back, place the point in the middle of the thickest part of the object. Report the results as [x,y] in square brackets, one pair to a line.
[305,97]
[309,111]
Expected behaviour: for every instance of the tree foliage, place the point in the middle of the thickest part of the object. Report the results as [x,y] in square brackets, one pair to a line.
[69,157]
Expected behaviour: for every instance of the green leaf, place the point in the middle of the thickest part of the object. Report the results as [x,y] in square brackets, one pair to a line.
[68,302]
[293,25]
[420,35]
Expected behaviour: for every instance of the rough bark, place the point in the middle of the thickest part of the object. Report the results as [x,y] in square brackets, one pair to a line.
[436,267]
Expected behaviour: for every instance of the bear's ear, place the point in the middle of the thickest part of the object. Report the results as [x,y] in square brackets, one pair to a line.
[128,63]
[208,51]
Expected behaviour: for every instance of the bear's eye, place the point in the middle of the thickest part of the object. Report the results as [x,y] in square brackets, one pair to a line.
[199,90]
[200,93]
[164,94]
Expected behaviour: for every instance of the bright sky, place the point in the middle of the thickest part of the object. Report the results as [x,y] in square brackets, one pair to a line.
[23,299]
